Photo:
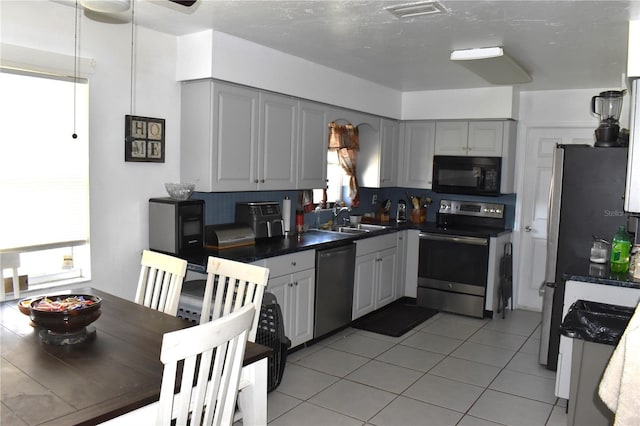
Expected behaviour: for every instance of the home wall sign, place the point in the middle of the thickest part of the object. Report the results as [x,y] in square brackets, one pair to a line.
[143,139]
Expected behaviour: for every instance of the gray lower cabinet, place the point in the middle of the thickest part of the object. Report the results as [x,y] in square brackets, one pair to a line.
[375,274]
[292,281]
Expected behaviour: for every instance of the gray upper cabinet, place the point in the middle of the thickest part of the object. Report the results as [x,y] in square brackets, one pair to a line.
[490,138]
[378,155]
[486,138]
[312,145]
[278,142]
[451,137]
[417,139]
[389,134]
[236,139]
[472,138]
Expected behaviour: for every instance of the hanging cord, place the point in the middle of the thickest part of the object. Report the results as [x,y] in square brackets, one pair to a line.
[132,76]
[75,70]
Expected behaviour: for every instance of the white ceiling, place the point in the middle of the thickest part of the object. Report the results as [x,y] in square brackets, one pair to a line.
[563,44]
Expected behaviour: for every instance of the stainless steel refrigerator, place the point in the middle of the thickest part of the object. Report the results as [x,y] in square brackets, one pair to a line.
[587,199]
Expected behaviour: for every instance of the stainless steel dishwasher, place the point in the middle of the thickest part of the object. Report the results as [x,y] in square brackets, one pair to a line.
[334,288]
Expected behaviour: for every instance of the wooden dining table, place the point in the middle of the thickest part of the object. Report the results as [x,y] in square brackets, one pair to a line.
[116,372]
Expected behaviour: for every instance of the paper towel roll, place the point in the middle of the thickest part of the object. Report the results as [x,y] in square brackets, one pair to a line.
[286,214]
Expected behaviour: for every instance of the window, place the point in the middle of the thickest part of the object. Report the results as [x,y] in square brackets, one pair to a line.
[337,181]
[44,176]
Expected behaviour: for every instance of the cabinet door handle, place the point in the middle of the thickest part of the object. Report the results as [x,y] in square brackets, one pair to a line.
[290,284]
[528,228]
[293,263]
[261,180]
[296,283]
[255,181]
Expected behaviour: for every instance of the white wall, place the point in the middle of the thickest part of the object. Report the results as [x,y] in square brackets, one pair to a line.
[212,54]
[481,103]
[119,190]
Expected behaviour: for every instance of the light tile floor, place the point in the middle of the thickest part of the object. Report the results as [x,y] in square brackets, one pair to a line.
[450,370]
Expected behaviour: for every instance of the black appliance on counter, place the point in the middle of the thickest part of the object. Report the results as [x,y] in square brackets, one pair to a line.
[467,175]
[453,260]
[587,196]
[176,226]
[263,217]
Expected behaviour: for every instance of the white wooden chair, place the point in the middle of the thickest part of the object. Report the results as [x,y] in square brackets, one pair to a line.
[209,401]
[235,284]
[10,261]
[160,283]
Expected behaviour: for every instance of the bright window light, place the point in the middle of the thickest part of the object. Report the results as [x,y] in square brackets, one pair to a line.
[44,173]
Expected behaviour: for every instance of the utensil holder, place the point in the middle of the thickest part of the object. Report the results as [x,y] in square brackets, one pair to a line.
[418,215]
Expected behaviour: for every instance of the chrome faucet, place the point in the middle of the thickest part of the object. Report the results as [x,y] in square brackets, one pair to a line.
[336,212]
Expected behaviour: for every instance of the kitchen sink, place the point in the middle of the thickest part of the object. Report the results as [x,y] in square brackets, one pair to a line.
[359,229]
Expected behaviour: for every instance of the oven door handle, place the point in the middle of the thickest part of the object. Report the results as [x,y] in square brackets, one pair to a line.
[455,239]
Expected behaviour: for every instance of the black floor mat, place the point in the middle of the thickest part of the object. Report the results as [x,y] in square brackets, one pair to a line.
[395,319]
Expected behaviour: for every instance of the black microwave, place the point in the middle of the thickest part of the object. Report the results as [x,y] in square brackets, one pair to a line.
[466,175]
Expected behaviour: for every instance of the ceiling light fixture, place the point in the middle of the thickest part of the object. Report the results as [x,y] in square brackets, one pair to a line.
[410,10]
[492,64]
[106,6]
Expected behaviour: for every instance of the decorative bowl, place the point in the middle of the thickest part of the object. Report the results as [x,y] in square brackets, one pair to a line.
[180,191]
[65,314]
[24,306]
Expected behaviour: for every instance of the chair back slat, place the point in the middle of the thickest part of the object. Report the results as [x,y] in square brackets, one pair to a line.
[208,401]
[160,282]
[230,286]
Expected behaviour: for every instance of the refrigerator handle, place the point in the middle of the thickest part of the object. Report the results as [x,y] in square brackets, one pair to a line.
[544,285]
[553,217]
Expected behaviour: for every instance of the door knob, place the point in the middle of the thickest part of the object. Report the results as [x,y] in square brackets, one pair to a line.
[528,228]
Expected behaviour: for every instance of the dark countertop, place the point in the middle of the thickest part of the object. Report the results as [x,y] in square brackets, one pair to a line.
[316,239]
[596,273]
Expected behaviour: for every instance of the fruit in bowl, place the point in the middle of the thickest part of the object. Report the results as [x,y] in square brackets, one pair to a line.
[180,191]
[65,314]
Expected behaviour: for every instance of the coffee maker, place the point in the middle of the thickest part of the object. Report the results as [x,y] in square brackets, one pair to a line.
[607,106]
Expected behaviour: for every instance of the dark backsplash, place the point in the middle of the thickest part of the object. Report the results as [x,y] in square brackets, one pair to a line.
[220,206]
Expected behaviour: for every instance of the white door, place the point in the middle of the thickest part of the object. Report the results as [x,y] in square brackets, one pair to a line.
[540,143]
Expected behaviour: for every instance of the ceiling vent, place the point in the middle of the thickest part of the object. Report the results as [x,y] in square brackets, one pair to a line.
[403,11]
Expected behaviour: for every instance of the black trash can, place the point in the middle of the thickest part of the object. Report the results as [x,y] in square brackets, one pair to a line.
[596,329]
[270,333]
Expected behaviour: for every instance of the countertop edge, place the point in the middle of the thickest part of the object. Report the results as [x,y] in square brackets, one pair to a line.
[313,239]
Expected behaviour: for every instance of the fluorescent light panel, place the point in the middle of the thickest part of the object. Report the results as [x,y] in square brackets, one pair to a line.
[106,6]
[492,64]
[416,9]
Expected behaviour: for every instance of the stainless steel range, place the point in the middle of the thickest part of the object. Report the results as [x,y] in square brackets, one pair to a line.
[454,257]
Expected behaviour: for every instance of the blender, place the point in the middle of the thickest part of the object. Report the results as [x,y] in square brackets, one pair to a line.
[607,105]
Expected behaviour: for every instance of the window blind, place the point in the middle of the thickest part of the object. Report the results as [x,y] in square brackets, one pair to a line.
[44,172]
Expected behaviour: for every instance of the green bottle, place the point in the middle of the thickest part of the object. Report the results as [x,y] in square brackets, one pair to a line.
[620,247]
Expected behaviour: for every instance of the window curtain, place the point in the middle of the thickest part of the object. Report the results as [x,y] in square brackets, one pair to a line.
[344,140]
